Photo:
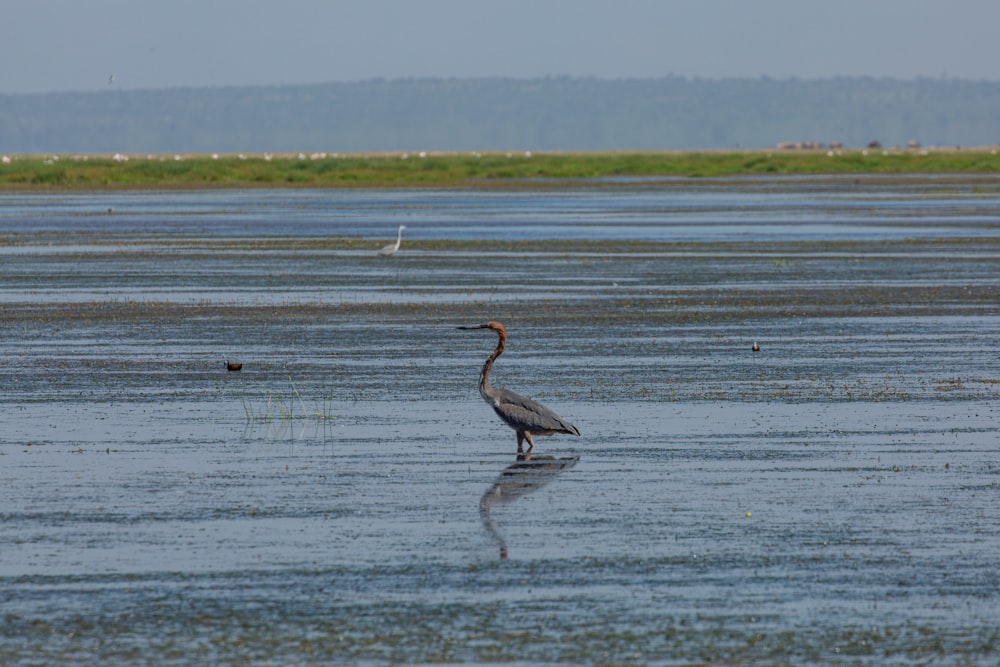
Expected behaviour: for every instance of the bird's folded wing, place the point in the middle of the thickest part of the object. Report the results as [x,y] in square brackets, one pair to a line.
[524,413]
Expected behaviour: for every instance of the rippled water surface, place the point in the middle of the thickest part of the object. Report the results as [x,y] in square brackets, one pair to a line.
[348,498]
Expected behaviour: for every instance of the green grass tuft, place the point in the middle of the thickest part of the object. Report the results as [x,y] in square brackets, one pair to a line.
[287,407]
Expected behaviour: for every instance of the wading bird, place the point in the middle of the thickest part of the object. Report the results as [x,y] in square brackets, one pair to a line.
[391,249]
[525,416]
[233,366]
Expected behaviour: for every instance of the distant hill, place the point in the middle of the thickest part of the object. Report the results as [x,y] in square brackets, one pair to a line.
[502,114]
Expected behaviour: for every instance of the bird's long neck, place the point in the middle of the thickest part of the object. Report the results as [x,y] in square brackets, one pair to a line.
[485,390]
[399,237]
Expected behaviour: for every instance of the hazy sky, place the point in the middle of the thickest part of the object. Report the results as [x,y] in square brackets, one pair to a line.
[59,45]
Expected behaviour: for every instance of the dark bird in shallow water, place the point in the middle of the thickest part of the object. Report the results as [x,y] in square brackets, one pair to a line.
[233,366]
[525,416]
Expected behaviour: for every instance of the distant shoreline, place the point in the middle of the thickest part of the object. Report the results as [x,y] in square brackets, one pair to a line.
[467,169]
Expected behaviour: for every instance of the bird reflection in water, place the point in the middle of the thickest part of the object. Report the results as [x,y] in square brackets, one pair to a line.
[517,480]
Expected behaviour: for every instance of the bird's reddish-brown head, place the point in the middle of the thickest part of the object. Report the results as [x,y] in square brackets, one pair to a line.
[495,326]
[492,325]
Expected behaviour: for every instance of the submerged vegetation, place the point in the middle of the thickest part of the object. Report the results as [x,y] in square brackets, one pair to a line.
[286,407]
[323,170]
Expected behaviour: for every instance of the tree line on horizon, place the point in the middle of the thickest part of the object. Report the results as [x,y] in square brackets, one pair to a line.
[554,113]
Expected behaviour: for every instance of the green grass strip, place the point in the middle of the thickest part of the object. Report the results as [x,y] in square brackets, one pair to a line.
[464,169]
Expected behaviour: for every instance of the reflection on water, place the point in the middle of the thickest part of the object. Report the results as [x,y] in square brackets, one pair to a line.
[517,480]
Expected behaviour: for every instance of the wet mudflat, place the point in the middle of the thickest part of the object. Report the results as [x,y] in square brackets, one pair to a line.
[347,497]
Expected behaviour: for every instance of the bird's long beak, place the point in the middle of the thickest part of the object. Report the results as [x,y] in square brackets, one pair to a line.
[473,328]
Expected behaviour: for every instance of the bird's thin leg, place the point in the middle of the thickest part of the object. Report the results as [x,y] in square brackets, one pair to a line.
[520,440]
[531,443]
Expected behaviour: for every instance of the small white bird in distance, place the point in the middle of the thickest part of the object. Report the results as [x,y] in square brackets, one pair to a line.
[392,248]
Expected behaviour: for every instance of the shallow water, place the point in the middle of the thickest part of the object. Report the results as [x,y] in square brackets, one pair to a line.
[348,497]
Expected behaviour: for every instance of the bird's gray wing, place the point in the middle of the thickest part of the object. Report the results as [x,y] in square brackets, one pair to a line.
[523,413]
